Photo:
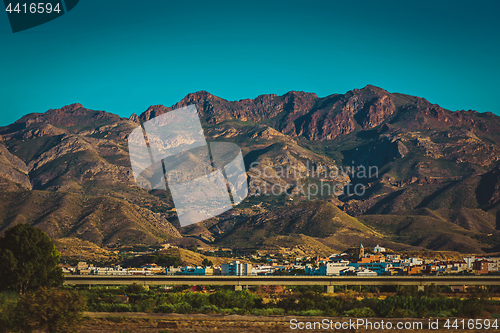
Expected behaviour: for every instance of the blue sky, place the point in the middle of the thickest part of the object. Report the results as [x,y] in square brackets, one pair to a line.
[122,56]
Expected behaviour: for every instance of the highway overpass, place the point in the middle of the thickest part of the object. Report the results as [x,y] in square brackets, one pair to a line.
[328,281]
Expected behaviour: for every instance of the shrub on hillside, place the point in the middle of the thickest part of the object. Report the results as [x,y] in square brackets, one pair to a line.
[8,301]
[360,313]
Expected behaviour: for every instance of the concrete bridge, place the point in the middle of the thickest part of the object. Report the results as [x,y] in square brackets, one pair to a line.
[328,281]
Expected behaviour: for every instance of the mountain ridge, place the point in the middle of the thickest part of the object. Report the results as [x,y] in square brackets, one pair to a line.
[429,159]
[340,113]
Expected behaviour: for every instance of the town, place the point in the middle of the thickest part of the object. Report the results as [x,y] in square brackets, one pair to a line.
[353,262]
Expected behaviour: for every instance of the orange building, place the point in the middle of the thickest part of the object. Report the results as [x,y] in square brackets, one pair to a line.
[481,266]
[411,270]
[369,259]
[429,269]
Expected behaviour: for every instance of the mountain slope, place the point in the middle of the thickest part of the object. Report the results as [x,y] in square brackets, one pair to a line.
[427,231]
[317,219]
[13,171]
[101,220]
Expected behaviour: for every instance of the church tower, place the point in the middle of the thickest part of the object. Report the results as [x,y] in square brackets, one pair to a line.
[361,251]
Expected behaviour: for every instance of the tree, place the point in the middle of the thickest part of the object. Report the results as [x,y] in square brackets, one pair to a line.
[49,309]
[28,260]
[207,263]
[164,260]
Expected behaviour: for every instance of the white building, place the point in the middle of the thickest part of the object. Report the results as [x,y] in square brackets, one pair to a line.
[172,270]
[366,272]
[333,268]
[412,262]
[393,257]
[470,261]
[236,268]
[263,269]
[329,268]
[494,265]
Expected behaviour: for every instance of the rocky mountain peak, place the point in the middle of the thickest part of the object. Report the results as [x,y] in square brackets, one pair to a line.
[71,107]
[68,116]
[133,117]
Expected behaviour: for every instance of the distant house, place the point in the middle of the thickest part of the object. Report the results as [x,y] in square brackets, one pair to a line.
[198,270]
[474,263]
[430,268]
[394,270]
[481,266]
[263,269]
[493,264]
[366,272]
[369,259]
[329,268]
[381,268]
[172,270]
[458,266]
[153,268]
[135,271]
[470,261]
[378,249]
[413,261]
[66,270]
[82,268]
[393,257]
[411,270]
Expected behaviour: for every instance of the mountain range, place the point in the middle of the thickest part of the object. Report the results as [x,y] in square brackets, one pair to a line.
[435,182]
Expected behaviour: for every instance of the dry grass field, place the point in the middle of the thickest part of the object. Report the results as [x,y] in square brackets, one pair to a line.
[200,323]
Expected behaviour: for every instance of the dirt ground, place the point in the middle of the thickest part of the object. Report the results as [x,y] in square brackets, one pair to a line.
[200,323]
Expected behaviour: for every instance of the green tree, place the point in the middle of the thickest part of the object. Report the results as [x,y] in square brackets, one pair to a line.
[49,309]
[207,262]
[28,260]
[164,260]
[135,288]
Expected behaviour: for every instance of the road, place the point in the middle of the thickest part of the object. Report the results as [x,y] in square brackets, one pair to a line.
[328,281]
